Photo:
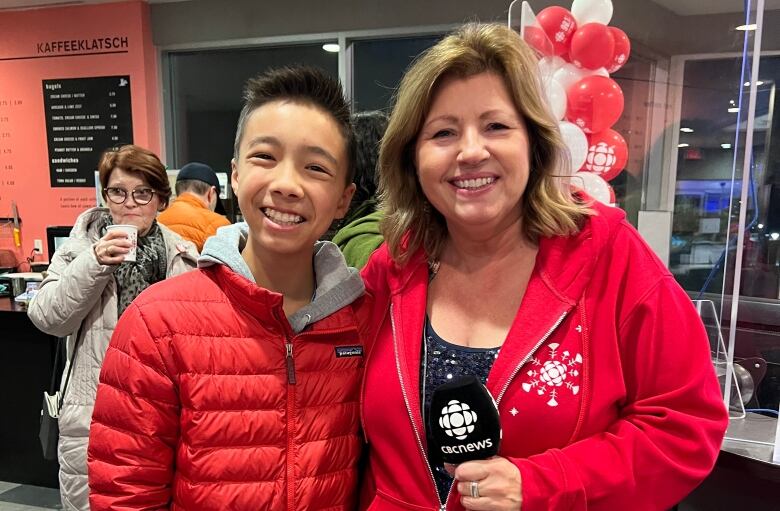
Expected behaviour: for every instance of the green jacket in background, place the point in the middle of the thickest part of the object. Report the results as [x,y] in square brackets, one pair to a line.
[359,238]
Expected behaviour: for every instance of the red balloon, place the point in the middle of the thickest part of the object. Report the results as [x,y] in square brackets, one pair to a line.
[594,103]
[538,40]
[559,25]
[622,50]
[607,154]
[592,46]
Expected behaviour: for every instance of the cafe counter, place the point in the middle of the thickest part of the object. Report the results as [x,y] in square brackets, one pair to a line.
[25,372]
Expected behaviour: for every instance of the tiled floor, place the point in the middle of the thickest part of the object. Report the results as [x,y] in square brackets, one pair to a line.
[20,497]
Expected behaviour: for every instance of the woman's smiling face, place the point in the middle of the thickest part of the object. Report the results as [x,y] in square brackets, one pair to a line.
[472,153]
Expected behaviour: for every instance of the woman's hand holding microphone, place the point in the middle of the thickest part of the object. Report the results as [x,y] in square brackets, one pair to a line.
[493,483]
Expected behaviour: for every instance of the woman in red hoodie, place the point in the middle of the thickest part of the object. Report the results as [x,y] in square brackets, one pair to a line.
[596,358]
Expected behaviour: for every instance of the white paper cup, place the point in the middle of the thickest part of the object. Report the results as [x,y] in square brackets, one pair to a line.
[132,236]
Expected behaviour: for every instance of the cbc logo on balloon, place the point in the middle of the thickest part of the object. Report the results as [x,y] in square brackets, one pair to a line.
[601,158]
[457,419]
[607,154]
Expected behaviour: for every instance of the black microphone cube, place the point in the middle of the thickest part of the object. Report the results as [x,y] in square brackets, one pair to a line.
[463,421]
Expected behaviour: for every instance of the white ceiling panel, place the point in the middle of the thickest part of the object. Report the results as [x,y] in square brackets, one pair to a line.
[699,7]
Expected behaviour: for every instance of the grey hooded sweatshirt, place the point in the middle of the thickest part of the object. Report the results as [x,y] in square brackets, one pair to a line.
[337,284]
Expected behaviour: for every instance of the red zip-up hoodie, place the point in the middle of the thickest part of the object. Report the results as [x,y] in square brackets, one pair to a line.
[607,396]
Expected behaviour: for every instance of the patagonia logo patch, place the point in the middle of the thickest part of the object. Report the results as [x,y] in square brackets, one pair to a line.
[349,351]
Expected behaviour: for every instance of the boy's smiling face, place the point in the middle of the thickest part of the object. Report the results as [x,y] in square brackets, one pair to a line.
[290,176]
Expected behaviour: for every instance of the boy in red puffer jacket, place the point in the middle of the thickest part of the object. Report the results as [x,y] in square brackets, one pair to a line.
[236,386]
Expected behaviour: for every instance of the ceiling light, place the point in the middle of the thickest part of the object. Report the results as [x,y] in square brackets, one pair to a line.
[686,130]
[746,28]
[734,110]
[775,236]
[760,226]
[759,83]
[331,47]
[725,146]
[683,145]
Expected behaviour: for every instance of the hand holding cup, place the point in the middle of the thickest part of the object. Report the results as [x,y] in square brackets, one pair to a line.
[118,245]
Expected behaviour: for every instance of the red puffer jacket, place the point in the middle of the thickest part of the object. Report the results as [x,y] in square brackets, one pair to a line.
[200,405]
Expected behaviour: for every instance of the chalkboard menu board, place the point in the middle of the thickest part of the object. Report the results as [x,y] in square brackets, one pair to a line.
[84,117]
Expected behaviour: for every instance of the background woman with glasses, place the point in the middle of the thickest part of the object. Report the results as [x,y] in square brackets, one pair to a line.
[89,286]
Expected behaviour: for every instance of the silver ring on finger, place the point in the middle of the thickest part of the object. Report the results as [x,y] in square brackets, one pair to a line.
[474,489]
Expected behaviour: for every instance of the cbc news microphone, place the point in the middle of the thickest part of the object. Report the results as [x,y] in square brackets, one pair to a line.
[464,421]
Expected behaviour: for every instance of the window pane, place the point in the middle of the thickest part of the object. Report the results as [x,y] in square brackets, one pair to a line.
[206,91]
[707,204]
[379,66]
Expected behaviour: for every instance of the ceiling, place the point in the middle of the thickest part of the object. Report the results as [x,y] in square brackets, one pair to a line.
[679,7]
[30,4]
[698,7]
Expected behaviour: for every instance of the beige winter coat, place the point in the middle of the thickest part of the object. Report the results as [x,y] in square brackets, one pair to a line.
[80,293]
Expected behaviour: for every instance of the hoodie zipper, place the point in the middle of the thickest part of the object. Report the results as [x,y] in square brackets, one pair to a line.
[529,355]
[442,507]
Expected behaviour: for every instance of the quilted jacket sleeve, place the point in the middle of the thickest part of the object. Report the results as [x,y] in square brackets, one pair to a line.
[671,426]
[135,422]
[73,286]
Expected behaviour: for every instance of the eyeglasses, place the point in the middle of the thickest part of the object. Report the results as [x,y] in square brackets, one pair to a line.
[141,196]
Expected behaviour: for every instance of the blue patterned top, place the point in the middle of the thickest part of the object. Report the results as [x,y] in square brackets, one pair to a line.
[442,362]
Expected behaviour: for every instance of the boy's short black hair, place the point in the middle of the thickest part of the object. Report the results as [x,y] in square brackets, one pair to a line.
[303,84]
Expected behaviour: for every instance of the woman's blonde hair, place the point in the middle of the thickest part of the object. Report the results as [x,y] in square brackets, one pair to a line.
[549,208]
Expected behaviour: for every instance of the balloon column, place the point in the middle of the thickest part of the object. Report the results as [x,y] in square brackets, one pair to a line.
[577,52]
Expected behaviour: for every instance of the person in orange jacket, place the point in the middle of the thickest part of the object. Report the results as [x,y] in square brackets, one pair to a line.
[192,214]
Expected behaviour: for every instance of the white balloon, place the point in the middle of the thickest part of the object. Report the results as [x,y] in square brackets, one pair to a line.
[592,11]
[569,74]
[576,142]
[556,96]
[548,66]
[593,185]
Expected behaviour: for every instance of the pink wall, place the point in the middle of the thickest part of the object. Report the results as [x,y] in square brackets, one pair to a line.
[24,158]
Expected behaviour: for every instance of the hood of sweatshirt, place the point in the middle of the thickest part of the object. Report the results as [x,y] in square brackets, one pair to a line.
[337,285]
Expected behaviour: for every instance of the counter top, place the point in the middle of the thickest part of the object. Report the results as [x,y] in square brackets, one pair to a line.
[752,438]
[7,304]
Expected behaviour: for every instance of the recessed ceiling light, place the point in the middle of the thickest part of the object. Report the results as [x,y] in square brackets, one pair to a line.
[726,146]
[683,145]
[745,28]
[331,47]
[686,130]
[733,110]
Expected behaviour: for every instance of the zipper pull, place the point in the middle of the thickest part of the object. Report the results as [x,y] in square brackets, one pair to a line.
[290,364]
